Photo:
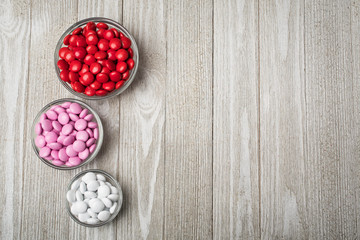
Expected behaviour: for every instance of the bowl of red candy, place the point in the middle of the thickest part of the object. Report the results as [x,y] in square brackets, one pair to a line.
[96,58]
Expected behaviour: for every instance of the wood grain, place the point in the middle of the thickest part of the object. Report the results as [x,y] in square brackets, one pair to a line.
[43,213]
[332,106]
[235,128]
[282,126]
[142,123]
[14,53]
[188,134]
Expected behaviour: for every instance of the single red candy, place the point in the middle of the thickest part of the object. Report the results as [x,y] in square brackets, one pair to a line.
[108,86]
[122,54]
[121,67]
[89,91]
[64,75]
[62,64]
[115,76]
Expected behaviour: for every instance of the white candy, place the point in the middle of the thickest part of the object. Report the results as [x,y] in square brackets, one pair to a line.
[89,195]
[88,177]
[100,177]
[70,196]
[113,197]
[79,196]
[107,202]
[103,191]
[92,213]
[112,209]
[104,216]
[83,217]
[86,200]
[96,205]
[78,207]
[92,186]
[109,184]
[114,190]
[92,221]
[75,184]
[82,187]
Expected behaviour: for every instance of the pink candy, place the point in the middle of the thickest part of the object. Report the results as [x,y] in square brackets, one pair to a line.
[65,134]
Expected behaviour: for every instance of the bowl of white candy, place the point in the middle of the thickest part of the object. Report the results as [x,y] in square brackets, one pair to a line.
[94,198]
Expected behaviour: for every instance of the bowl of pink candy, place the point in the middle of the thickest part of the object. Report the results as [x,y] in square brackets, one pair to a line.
[67,134]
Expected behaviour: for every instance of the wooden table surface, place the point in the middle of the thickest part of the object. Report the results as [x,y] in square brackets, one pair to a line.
[242,123]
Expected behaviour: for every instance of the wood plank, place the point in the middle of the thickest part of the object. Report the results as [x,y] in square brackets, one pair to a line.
[332,106]
[282,120]
[44,215]
[142,122]
[355,47]
[236,186]
[188,135]
[108,110]
[14,54]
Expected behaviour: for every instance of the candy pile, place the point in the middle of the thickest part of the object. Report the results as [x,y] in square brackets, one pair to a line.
[66,135]
[97,60]
[92,199]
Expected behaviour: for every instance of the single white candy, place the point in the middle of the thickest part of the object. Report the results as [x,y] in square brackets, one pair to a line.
[92,213]
[92,186]
[78,207]
[83,217]
[88,177]
[100,177]
[112,209]
[104,216]
[114,190]
[89,195]
[113,197]
[86,200]
[109,184]
[103,191]
[101,183]
[92,221]
[82,187]
[79,196]
[70,196]
[96,205]
[107,202]
[75,185]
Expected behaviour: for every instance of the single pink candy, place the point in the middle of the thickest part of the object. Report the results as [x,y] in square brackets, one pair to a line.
[92,125]
[40,141]
[84,154]
[90,132]
[55,146]
[82,135]
[62,155]
[70,151]
[51,137]
[79,146]
[38,129]
[59,109]
[46,125]
[88,117]
[57,126]
[90,142]
[53,107]
[55,154]
[57,163]
[74,161]
[63,118]
[83,113]
[49,158]
[73,117]
[52,115]
[92,148]
[68,140]
[74,132]
[67,129]
[96,133]
[44,152]
[66,104]
[68,164]
[80,124]
[75,108]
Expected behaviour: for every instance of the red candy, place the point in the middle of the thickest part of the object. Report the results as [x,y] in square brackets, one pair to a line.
[97,60]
